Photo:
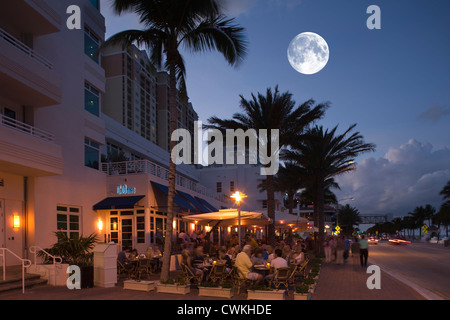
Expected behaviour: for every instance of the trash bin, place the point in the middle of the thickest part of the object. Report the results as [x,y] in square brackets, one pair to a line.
[105,265]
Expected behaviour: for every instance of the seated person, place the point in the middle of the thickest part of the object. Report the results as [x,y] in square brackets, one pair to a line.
[258,257]
[198,256]
[224,258]
[299,256]
[187,260]
[122,258]
[277,262]
[244,264]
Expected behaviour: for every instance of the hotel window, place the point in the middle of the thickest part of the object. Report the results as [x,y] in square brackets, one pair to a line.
[91,99]
[140,229]
[91,154]
[91,44]
[231,186]
[96,3]
[219,187]
[264,204]
[68,220]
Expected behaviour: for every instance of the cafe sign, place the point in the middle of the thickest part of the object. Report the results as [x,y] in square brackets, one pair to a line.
[124,189]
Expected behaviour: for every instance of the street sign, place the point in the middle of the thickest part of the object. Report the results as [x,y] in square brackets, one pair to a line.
[424,228]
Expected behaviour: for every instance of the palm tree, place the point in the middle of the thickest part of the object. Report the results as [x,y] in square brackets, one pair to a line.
[324,155]
[199,26]
[420,214]
[288,180]
[348,217]
[274,110]
[445,192]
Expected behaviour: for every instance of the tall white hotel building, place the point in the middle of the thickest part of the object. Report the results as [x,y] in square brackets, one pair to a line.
[53,134]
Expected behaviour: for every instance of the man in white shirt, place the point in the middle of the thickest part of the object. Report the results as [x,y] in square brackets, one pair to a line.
[277,262]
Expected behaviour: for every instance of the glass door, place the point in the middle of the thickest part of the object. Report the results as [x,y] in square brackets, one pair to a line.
[127,233]
[121,230]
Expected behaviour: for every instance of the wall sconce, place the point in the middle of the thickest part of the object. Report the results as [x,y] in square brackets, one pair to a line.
[100,225]
[114,226]
[174,224]
[16,222]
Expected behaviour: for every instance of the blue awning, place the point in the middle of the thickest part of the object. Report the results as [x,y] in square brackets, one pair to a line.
[117,203]
[192,200]
[178,200]
[207,204]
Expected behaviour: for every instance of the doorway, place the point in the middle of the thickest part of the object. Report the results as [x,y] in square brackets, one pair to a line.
[121,230]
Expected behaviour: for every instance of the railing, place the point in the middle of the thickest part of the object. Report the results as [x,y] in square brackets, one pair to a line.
[25,49]
[26,128]
[36,249]
[25,264]
[148,167]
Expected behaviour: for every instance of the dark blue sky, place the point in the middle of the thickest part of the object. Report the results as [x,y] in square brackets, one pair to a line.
[394,82]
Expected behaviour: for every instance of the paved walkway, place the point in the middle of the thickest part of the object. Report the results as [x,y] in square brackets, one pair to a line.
[349,282]
[336,282]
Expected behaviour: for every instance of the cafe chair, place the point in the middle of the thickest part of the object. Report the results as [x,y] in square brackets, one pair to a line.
[189,276]
[122,269]
[217,273]
[281,277]
[238,280]
[143,267]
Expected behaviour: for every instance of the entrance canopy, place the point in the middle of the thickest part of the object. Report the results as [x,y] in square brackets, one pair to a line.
[228,217]
[113,203]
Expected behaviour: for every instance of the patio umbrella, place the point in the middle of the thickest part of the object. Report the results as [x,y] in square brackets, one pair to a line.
[228,217]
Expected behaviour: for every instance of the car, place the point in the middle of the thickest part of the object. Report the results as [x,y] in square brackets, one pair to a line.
[372,240]
[398,240]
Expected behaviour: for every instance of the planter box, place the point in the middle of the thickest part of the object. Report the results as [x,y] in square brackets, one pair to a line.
[173,288]
[139,285]
[301,296]
[215,292]
[266,295]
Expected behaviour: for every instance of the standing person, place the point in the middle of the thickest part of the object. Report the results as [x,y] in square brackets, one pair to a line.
[327,248]
[355,251]
[363,251]
[340,247]
[347,248]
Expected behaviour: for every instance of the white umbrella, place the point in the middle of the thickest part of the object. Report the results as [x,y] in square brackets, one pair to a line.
[228,217]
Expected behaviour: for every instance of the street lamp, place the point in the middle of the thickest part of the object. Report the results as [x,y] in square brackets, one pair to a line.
[238,196]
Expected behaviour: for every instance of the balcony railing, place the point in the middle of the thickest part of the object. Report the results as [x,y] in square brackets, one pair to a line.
[151,168]
[25,49]
[25,128]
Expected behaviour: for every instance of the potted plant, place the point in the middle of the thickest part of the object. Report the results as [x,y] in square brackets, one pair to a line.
[301,292]
[76,250]
[213,289]
[172,286]
[311,283]
[258,292]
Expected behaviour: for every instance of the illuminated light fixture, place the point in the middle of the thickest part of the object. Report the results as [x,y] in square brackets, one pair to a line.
[16,222]
[208,228]
[237,196]
[192,226]
[100,225]
[229,229]
[174,224]
[114,226]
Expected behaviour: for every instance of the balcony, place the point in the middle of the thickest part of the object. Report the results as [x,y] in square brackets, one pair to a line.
[30,17]
[28,151]
[155,170]
[26,77]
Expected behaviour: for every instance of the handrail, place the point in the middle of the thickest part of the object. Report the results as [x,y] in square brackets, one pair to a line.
[26,263]
[36,249]
[26,128]
[25,49]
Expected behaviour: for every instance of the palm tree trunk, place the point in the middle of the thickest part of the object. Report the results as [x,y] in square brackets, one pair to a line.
[165,270]
[270,209]
[319,209]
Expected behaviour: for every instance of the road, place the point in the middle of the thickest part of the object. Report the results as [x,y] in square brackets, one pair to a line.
[426,265]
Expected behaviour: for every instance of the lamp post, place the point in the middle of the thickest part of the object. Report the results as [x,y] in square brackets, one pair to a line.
[237,196]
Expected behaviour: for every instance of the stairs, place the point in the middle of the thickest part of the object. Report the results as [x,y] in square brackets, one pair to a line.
[14,279]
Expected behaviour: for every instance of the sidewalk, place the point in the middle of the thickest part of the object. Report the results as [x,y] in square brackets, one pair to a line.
[336,282]
[348,282]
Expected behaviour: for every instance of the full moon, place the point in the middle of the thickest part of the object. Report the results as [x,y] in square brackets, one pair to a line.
[308,53]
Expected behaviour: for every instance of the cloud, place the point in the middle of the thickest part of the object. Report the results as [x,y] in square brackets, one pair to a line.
[238,7]
[435,113]
[404,178]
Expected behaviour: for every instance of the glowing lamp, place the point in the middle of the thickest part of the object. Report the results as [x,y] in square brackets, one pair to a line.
[100,225]
[16,222]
